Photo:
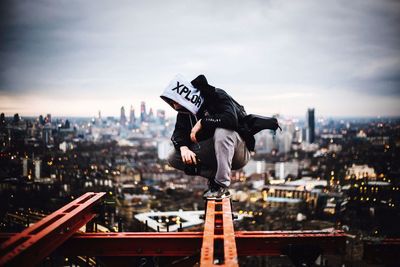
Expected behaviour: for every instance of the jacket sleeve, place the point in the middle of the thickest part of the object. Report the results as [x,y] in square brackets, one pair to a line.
[181,135]
[226,116]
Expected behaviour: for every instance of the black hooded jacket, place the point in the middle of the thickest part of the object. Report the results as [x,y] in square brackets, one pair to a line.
[219,110]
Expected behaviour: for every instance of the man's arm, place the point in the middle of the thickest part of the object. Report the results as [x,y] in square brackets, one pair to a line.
[181,139]
[181,135]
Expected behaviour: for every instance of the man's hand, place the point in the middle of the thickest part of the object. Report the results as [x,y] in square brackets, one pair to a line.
[188,156]
[195,129]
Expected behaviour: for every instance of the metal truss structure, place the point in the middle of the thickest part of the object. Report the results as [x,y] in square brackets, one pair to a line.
[36,242]
[218,244]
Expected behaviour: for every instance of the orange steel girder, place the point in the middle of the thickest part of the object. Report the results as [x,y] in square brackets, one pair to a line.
[249,243]
[36,242]
[219,245]
[133,244]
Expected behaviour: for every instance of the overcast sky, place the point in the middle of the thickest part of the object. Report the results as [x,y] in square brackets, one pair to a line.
[279,56]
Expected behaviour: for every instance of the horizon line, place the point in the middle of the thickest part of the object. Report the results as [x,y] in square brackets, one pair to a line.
[283,115]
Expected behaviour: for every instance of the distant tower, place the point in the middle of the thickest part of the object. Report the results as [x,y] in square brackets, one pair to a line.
[67,124]
[285,142]
[98,119]
[161,116]
[270,142]
[150,115]
[48,118]
[122,119]
[2,120]
[16,118]
[47,135]
[24,167]
[310,126]
[41,120]
[164,148]
[143,114]
[37,163]
[132,118]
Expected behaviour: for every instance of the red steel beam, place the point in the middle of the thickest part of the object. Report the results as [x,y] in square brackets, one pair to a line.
[36,242]
[273,243]
[230,251]
[218,239]
[207,251]
[266,243]
[133,244]
[219,245]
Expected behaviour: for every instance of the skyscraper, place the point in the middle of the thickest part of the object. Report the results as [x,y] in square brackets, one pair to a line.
[143,115]
[2,120]
[24,167]
[310,126]
[37,163]
[284,169]
[161,116]
[98,119]
[47,134]
[164,148]
[132,118]
[41,120]
[122,119]
[48,118]
[150,116]
[285,142]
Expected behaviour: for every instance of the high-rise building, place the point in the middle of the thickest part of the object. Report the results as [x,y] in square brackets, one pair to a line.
[99,119]
[47,134]
[164,148]
[41,120]
[48,118]
[24,167]
[37,163]
[310,126]
[360,172]
[2,120]
[255,167]
[122,119]
[285,169]
[16,118]
[143,114]
[67,124]
[270,142]
[161,116]
[132,118]
[298,135]
[150,115]
[285,142]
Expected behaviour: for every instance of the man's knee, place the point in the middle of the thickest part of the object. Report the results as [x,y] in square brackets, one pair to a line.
[175,160]
[222,135]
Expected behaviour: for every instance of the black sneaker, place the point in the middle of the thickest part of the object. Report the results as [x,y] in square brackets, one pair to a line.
[216,192]
[210,184]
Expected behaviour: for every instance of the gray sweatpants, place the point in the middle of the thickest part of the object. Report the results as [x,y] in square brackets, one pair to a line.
[219,155]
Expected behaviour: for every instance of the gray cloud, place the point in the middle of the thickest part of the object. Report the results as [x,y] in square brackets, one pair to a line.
[72,48]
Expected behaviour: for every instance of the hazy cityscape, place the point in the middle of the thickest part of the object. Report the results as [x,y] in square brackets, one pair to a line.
[318,173]
[85,136]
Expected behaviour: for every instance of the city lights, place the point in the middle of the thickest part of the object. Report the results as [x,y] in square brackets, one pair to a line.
[316,174]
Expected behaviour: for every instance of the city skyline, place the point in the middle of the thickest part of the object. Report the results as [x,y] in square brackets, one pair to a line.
[74,58]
